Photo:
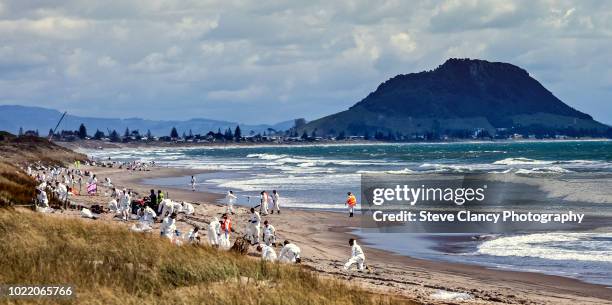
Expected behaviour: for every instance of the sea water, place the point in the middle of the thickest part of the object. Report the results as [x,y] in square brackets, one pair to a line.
[318,177]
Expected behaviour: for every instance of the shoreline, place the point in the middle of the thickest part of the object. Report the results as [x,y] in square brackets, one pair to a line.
[324,252]
[97,144]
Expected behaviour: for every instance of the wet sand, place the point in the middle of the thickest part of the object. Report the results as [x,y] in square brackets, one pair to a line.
[323,238]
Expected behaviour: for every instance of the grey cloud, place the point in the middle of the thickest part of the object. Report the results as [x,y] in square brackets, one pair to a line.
[275,60]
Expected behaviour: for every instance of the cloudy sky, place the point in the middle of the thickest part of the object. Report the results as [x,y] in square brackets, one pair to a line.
[268,61]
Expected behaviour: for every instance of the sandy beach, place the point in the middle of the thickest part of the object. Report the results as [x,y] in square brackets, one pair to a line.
[323,238]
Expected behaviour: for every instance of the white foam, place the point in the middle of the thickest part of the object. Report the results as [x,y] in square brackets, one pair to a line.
[552,246]
[521,161]
[266,156]
[544,170]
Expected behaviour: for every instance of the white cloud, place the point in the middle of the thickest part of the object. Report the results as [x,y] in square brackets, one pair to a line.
[285,59]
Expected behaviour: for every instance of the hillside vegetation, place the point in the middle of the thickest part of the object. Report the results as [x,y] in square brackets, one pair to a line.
[460,95]
[107,264]
[16,187]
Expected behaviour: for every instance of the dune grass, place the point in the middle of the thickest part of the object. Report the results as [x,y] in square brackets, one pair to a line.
[16,187]
[107,264]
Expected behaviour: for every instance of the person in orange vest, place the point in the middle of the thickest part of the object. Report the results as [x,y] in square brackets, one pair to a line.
[226,229]
[351,202]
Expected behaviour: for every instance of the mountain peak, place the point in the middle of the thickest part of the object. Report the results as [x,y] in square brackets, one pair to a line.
[461,94]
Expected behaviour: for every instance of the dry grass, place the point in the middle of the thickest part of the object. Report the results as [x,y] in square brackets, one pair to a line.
[16,187]
[110,265]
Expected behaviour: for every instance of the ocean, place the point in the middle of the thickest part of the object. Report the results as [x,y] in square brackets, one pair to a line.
[318,177]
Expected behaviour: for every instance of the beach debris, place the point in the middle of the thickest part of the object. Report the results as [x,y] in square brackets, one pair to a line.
[451,296]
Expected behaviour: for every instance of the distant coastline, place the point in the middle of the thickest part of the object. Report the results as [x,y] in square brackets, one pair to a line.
[96,144]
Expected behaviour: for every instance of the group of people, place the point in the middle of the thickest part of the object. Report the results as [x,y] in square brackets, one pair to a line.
[62,183]
[156,207]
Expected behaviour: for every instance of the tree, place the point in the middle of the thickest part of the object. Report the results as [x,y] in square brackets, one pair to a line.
[237,133]
[126,134]
[341,136]
[174,133]
[98,135]
[114,136]
[304,135]
[82,131]
[149,136]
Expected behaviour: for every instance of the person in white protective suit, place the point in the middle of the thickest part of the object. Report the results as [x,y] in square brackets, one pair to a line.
[168,226]
[264,203]
[253,227]
[126,202]
[267,253]
[193,237]
[113,206]
[275,202]
[214,232]
[230,200]
[188,208]
[43,200]
[357,256]
[290,253]
[146,219]
[62,191]
[167,207]
[269,234]
[147,216]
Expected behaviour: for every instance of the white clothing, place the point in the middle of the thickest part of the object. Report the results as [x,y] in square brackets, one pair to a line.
[253,228]
[263,208]
[214,232]
[269,233]
[113,206]
[276,202]
[62,192]
[43,200]
[126,201]
[148,215]
[167,207]
[268,253]
[86,213]
[289,253]
[231,200]
[357,257]
[188,208]
[168,227]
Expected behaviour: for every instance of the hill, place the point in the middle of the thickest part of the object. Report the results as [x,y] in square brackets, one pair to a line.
[459,97]
[12,117]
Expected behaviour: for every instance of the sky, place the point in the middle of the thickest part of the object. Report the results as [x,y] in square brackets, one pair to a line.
[270,61]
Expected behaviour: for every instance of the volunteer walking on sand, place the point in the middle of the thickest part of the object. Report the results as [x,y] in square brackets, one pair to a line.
[276,202]
[231,199]
[351,202]
[193,183]
[263,207]
[357,256]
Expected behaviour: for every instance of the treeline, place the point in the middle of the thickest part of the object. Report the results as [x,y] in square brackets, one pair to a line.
[135,135]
